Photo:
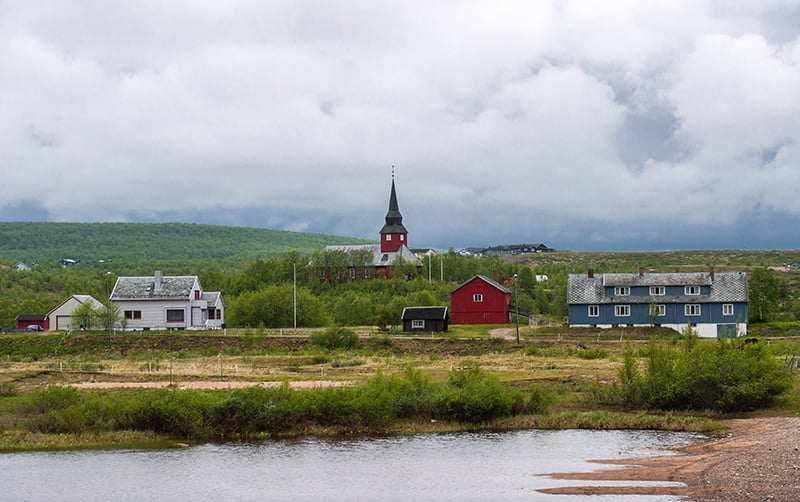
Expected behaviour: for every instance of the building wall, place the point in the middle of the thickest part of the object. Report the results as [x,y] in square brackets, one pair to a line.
[154,313]
[492,310]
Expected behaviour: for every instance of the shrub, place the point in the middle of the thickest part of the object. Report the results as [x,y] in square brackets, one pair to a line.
[257,409]
[473,396]
[183,413]
[335,338]
[726,376]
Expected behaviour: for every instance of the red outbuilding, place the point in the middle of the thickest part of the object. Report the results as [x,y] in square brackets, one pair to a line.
[480,300]
[36,322]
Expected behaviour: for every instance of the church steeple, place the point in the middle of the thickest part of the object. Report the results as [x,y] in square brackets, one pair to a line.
[393,233]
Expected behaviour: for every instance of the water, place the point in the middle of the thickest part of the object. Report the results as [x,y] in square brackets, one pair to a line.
[428,467]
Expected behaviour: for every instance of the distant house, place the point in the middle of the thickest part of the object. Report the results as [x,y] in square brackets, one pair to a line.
[715,304]
[515,249]
[424,319]
[68,262]
[32,322]
[60,318]
[23,266]
[481,300]
[161,302]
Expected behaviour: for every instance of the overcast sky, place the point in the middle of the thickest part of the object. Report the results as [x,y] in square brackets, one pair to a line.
[585,125]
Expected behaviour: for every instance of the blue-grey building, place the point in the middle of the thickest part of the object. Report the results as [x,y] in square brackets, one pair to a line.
[714,304]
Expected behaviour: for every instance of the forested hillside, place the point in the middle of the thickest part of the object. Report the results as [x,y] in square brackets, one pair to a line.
[41,242]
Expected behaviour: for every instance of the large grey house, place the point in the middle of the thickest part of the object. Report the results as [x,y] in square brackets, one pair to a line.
[161,302]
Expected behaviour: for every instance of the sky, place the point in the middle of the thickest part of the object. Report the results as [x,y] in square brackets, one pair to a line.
[622,125]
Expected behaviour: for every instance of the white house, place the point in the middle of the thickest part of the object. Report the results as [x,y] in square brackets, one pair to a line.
[61,317]
[167,302]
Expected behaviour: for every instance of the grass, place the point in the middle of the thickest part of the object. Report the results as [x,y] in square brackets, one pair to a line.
[549,360]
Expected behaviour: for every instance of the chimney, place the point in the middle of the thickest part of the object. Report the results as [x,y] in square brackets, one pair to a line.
[159,281]
[591,273]
[711,273]
[677,270]
[641,271]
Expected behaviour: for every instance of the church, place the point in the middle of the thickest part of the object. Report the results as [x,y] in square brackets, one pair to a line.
[368,261]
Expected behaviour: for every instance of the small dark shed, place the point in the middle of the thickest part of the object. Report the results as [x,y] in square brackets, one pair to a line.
[424,319]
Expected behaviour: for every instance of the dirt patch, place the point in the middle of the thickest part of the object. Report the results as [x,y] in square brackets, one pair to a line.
[306,384]
[758,461]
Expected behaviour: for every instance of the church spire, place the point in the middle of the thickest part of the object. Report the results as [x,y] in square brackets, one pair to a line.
[393,233]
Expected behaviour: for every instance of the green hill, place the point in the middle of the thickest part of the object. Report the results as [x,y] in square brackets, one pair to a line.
[152,241]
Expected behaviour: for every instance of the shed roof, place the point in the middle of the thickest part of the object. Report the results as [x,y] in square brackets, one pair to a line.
[426,313]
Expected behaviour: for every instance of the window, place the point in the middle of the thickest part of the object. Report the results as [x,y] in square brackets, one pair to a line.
[196,294]
[622,310]
[388,237]
[658,310]
[366,273]
[133,314]
[727,309]
[174,315]
[477,297]
[352,273]
[692,309]
[594,311]
[692,290]
[622,291]
[417,324]
[657,290]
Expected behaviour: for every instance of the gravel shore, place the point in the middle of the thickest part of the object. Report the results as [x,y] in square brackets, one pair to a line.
[758,461]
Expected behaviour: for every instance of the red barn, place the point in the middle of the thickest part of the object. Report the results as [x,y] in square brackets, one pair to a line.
[36,322]
[480,300]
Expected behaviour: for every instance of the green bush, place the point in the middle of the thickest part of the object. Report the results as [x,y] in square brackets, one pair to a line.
[181,413]
[726,376]
[257,409]
[335,338]
[473,396]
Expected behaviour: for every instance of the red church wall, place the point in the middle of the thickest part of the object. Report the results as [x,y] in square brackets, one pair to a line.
[390,243]
[493,309]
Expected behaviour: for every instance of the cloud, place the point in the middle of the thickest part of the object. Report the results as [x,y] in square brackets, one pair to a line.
[578,124]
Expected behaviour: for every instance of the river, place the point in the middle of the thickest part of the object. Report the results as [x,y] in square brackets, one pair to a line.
[485,466]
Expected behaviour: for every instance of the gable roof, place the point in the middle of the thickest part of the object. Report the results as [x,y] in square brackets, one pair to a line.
[379,259]
[144,288]
[725,287]
[426,313]
[488,281]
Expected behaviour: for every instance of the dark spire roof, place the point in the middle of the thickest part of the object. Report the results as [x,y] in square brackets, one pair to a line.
[394,220]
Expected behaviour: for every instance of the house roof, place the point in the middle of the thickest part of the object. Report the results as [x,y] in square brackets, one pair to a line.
[725,287]
[425,313]
[488,281]
[144,288]
[212,297]
[379,258]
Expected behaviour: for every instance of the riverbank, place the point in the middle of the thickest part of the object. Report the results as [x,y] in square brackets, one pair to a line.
[759,460]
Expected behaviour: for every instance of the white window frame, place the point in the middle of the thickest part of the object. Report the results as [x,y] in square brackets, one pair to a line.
[352,273]
[417,323]
[622,290]
[477,297]
[622,310]
[594,310]
[691,290]
[658,310]
[727,309]
[658,290]
[692,309]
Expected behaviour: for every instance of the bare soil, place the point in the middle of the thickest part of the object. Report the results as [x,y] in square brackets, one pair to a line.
[758,461]
[206,385]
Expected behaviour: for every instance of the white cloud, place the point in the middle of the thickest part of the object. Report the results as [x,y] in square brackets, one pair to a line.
[143,109]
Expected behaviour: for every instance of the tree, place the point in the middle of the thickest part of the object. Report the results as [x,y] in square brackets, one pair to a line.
[273,307]
[87,315]
[766,293]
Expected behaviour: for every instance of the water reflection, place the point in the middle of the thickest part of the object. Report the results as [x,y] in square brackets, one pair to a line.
[436,467]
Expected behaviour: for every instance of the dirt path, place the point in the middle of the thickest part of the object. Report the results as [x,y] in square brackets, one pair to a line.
[759,461]
[305,384]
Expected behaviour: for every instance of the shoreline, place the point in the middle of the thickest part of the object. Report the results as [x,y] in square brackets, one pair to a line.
[759,460]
